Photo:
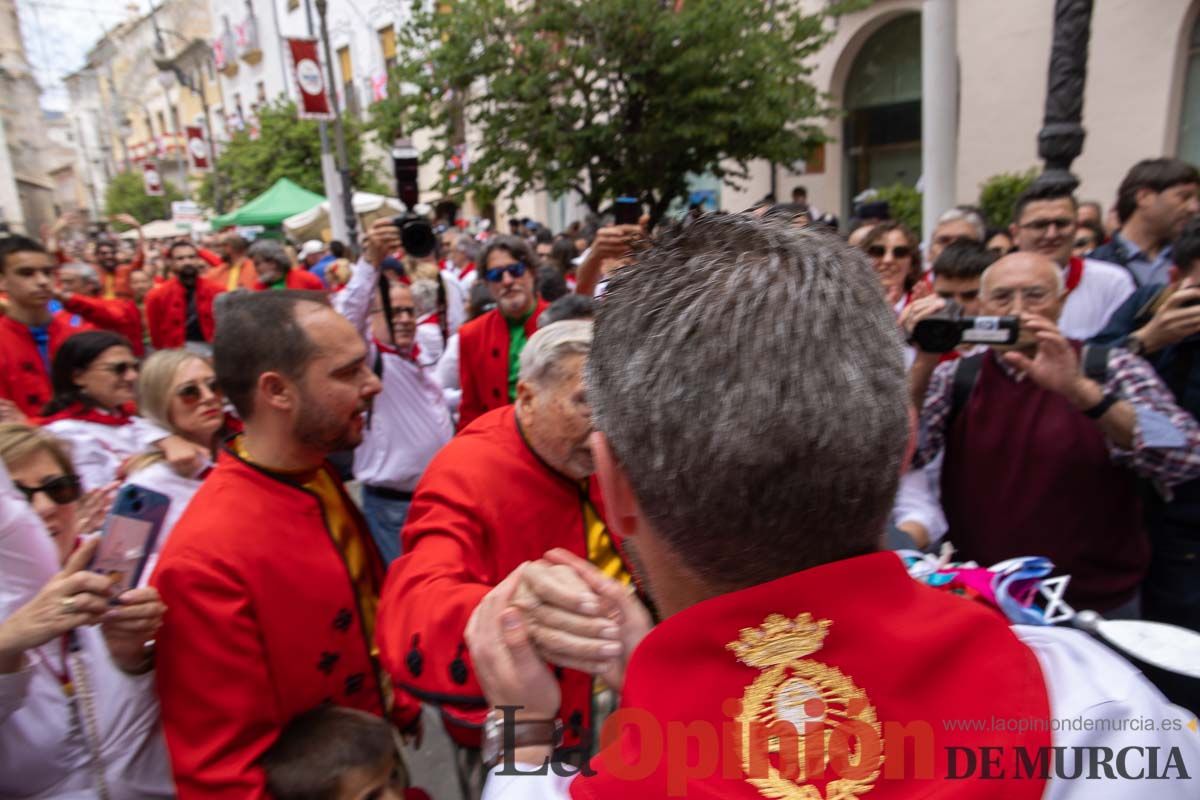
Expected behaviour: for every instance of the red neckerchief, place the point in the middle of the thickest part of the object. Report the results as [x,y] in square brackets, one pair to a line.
[467,270]
[91,414]
[1074,275]
[387,348]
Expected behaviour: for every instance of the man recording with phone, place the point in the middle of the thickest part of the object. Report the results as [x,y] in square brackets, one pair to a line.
[1044,440]
[1162,325]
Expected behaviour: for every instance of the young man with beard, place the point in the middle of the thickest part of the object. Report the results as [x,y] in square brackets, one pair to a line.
[179,312]
[490,346]
[271,575]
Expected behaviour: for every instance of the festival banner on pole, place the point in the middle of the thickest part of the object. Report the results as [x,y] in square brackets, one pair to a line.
[197,147]
[151,179]
[306,71]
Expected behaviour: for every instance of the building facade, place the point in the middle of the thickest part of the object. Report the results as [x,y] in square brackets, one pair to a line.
[142,84]
[1142,97]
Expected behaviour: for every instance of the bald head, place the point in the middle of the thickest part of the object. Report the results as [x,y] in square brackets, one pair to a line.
[1023,282]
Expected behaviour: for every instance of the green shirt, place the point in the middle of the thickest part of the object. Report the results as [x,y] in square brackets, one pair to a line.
[516,343]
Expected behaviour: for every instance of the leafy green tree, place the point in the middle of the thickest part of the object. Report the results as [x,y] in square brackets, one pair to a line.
[904,204]
[998,195]
[286,147]
[126,194]
[606,97]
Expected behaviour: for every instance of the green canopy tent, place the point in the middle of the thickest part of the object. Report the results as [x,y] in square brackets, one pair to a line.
[272,207]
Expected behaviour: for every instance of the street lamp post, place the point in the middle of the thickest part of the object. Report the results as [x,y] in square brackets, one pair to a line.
[1061,139]
[339,135]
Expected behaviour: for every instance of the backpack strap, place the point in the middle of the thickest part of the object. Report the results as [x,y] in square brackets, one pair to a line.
[1095,362]
[966,373]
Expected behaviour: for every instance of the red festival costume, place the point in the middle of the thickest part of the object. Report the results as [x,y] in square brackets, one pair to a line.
[483,362]
[117,315]
[24,378]
[856,645]
[166,312]
[485,504]
[264,622]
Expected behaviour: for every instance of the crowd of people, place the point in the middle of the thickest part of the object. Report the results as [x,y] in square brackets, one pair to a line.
[529,482]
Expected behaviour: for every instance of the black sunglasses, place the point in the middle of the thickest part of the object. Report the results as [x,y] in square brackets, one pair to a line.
[62,490]
[879,251]
[190,394]
[496,274]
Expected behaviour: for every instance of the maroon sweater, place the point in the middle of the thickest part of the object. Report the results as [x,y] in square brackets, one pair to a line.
[1027,474]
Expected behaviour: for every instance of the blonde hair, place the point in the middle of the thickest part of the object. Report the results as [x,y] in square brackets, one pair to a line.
[154,384]
[155,379]
[19,442]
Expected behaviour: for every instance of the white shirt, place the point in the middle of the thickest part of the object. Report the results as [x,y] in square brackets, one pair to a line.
[42,753]
[1101,291]
[918,499]
[411,419]
[179,489]
[98,450]
[1084,680]
[446,372]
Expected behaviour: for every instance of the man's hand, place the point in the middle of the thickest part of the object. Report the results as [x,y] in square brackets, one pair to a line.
[130,220]
[581,618]
[510,671]
[1055,367]
[1172,322]
[185,457]
[612,247]
[128,627]
[10,414]
[383,238]
[71,598]
[918,310]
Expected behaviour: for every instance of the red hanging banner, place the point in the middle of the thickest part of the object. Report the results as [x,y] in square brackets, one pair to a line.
[306,71]
[197,147]
[151,179]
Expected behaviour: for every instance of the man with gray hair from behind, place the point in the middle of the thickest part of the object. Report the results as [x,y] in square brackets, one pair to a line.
[752,420]
[515,484]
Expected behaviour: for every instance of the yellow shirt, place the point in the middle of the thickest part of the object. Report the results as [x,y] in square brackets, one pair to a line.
[600,548]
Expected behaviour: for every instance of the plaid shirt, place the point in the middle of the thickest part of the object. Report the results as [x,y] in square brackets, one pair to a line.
[1166,439]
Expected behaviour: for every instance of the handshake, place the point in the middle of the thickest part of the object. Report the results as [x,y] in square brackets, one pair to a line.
[558,611]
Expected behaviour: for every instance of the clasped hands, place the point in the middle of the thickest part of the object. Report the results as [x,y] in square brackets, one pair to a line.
[557,611]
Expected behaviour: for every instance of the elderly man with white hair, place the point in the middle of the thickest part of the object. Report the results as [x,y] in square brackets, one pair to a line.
[1045,441]
[513,485]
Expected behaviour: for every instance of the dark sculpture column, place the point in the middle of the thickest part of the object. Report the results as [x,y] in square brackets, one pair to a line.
[1061,139]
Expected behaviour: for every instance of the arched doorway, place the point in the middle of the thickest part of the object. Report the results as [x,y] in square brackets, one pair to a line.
[882,99]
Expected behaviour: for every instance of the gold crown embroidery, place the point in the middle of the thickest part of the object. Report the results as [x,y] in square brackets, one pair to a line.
[801,691]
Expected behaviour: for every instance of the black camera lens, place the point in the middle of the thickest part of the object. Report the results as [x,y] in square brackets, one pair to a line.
[416,234]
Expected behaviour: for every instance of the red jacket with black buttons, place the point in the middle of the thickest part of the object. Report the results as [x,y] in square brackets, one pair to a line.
[166,312]
[24,378]
[263,622]
[483,362]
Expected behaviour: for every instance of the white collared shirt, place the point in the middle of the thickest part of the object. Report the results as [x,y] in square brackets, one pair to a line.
[411,420]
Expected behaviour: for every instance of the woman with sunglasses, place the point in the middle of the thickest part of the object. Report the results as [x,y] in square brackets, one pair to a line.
[892,248]
[178,392]
[78,713]
[92,410]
